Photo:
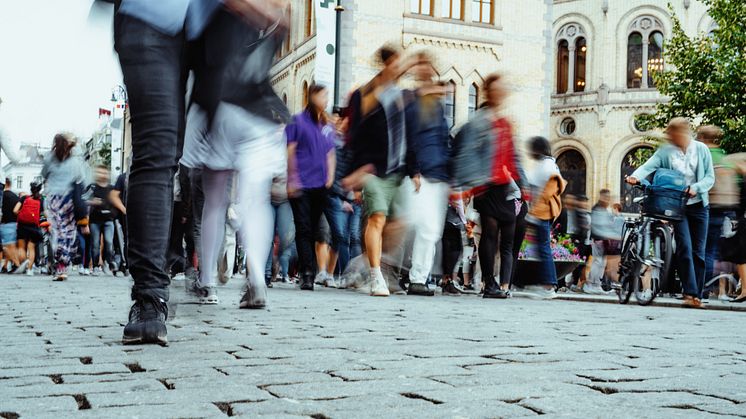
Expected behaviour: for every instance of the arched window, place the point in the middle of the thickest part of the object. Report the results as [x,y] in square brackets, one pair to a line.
[285,98]
[310,26]
[452,9]
[473,99]
[644,52]
[451,104]
[573,168]
[572,53]
[305,94]
[581,49]
[632,160]
[287,43]
[481,11]
[563,66]
[421,7]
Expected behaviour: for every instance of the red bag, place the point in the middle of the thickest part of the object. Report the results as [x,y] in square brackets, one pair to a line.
[30,213]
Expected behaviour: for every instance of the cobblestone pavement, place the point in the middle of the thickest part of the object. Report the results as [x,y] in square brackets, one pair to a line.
[339,354]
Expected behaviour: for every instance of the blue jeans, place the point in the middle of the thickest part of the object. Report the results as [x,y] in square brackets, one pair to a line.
[285,230]
[107,228]
[548,274]
[691,241]
[84,241]
[345,228]
[714,231]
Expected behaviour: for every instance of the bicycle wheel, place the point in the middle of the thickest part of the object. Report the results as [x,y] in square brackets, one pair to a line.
[629,267]
[655,270]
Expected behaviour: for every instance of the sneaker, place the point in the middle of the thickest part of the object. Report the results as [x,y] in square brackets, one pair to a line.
[576,289]
[86,272]
[449,288]
[147,322]
[30,272]
[420,289]
[331,282]
[268,281]
[205,294]
[593,289]
[646,295]
[254,296]
[21,268]
[496,293]
[321,278]
[81,269]
[379,288]
[306,282]
[723,297]
[179,277]
[540,292]
[106,271]
[97,271]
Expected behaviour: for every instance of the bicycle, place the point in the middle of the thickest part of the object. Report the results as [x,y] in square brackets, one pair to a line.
[647,248]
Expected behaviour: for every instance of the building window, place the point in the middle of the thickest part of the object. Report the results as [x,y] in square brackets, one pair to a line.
[452,9]
[481,11]
[581,49]
[19,183]
[305,94]
[310,24]
[473,99]
[285,99]
[421,7]
[451,104]
[287,43]
[567,127]
[644,52]
[572,59]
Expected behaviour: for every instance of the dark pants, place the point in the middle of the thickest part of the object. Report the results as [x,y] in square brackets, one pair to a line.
[496,231]
[341,224]
[179,257]
[154,69]
[712,249]
[520,233]
[307,210]
[106,229]
[452,247]
[691,240]
[548,274]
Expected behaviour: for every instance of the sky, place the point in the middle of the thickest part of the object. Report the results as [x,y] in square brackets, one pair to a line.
[57,67]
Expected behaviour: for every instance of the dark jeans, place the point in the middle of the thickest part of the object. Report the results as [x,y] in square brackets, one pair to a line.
[496,231]
[342,224]
[452,246]
[154,69]
[84,249]
[107,229]
[543,242]
[307,210]
[714,231]
[691,240]
[179,257]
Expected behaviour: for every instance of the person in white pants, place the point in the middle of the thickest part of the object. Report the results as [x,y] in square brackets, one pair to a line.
[428,132]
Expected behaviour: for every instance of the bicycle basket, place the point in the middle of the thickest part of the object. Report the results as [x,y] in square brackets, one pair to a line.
[664,203]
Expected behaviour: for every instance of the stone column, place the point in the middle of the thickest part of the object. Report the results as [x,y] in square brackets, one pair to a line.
[645,44]
[571,69]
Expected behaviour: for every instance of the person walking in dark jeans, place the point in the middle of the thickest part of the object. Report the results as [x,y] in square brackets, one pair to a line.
[311,170]
[101,221]
[151,39]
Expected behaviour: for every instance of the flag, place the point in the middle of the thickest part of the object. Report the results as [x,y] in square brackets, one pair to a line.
[102,111]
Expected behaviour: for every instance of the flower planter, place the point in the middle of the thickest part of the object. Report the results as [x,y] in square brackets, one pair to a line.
[528,271]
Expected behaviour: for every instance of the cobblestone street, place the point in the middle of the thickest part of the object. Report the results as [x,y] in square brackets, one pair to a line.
[340,354]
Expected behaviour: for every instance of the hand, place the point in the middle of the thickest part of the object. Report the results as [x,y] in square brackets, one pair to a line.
[329,183]
[85,230]
[261,13]
[692,193]
[417,180]
[632,180]
[347,207]
[356,179]
[293,191]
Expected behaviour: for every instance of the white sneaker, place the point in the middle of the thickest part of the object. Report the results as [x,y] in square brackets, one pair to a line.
[30,272]
[96,271]
[331,282]
[22,267]
[320,278]
[540,292]
[593,289]
[723,297]
[379,288]
[86,272]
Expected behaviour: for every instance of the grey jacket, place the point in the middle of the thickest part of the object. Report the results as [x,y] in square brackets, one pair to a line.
[61,175]
[474,151]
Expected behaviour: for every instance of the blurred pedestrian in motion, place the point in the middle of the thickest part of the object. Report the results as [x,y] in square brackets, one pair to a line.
[488,159]
[380,157]
[63,169]
[29,210]
[8,229]
[101,221]
[428,134]
[158,43]
[547,186]
[453,244]
[284,229]
[311,169]
[603,236]
[692,160]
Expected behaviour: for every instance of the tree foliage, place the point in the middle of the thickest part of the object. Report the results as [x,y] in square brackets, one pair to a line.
[707,79]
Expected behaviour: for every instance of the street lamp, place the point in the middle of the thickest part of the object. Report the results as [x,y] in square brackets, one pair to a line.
[339,9]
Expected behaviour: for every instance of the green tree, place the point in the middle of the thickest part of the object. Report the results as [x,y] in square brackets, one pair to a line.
[707,80]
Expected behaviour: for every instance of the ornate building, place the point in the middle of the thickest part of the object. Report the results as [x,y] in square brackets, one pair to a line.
[470,38]
[605,53]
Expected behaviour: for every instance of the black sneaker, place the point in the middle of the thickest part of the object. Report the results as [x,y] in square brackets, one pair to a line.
[268,281]
[420,289]
[450,288]
[147,322]
[306,283]
[496,292]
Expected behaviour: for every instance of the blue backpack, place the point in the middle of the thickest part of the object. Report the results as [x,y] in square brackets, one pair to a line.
[669,179]
[666,198]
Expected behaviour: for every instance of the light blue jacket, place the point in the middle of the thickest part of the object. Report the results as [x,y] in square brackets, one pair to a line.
[705,176]
[173,16]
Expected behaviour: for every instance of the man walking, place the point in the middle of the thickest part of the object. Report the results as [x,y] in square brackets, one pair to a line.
[151,38]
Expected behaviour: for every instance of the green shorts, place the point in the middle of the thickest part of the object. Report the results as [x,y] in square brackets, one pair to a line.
[379,194]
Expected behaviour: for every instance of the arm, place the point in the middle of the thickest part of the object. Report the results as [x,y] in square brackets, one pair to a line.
[17,209]
[708,181]
[293,181]
[654,163]
[115,198]
[331,167]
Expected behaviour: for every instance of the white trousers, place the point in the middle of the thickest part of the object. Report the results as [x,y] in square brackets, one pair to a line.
[598,266]
[429,207]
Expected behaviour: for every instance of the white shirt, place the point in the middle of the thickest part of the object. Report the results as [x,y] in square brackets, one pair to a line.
[686,163]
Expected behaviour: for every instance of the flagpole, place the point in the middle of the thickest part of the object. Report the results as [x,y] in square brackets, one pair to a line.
[339,9]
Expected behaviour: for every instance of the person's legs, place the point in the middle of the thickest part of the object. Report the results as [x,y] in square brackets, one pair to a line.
[544,237]
[176,254]
[198,204]
[304,238]
[215,184]
[507,235]
[22,255]
[684,258]
[714,231]
[598,265]
[153,65]
[270,256]
[108,232]
[286,234]
[339,227]
[95,243]
[698,218]
[31,253]
[488,249]
[431,203]
[356,216]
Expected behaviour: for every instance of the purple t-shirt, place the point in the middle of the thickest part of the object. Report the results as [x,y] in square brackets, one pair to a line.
[313,144]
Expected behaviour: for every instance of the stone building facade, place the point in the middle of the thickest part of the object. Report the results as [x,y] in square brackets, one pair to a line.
[469,38]
[600,83]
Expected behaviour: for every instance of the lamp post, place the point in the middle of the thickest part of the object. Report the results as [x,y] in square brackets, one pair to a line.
[339,9]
